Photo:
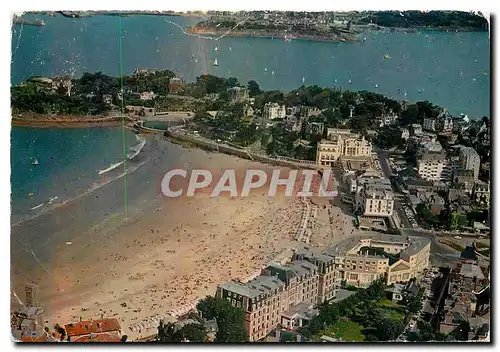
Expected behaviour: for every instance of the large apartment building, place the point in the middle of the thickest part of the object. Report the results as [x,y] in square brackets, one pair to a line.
[435,167]
[341,142]
[328,280]
[470,160]
[269,298]
[285,294]
[363,258]
[375,200]
[443,124]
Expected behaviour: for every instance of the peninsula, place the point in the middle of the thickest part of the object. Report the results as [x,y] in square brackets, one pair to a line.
[333,26]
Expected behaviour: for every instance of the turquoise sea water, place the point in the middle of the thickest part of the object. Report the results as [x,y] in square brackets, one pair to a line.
[448,69]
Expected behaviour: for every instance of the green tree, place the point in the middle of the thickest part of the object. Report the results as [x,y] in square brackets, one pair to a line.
[457,220]
[253,88]
[191,332]
[230,320]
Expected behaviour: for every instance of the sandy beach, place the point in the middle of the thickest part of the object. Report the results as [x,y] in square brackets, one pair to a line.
[90,261]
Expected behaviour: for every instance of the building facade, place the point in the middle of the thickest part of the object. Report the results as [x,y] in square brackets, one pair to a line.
[435,167]
[363,258]
[375,201]
[273,111]
[238,94]
[339,143]
[470,160]
[430,124]
[269,298]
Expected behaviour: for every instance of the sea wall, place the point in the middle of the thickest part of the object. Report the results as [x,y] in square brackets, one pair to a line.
[240,152]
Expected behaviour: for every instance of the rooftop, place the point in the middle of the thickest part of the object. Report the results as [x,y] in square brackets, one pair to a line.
[433,157]
[97,338]
[468,151]
[260,285]
[302,309]
[471,271]
[415,244]
[92,326]
[314,253]
[34,336]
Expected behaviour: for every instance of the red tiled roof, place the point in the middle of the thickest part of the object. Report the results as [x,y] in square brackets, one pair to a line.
[40,338]
[88,326]
[97,338]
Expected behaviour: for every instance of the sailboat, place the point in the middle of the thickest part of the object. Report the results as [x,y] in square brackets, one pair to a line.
[215,62]
[35,162]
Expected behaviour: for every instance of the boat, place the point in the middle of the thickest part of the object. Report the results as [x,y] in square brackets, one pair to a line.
[230,48]
[350,81]
[303,79]
[215,62]
[216,48]
[376,85]
[265,69]
[272,72]
[35,162]
[387,56]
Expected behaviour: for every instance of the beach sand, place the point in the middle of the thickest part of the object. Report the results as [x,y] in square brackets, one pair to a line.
[90,262]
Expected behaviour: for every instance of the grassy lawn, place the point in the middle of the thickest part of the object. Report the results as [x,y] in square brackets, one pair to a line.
[395,312]
[485,251]
[344,329]
[384,302]
[395,315]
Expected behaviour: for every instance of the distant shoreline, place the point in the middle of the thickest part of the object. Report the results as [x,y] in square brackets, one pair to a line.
[255,34]
[44,121]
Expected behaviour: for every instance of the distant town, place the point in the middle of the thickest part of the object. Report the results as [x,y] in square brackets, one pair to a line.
[324,26]
[414,179]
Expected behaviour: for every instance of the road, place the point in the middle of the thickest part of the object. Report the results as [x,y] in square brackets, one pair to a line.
[439,253]
[386,171]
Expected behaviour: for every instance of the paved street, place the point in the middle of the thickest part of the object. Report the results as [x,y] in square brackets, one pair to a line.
[386,171]
[440,254]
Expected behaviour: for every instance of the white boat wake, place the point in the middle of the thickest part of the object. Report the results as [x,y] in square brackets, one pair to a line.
[38,206]
[111,167]
[133,151]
